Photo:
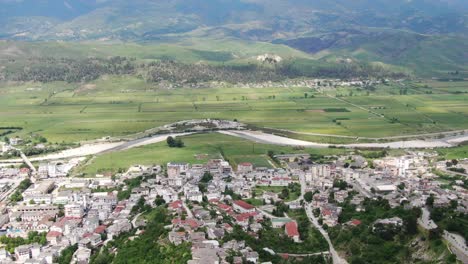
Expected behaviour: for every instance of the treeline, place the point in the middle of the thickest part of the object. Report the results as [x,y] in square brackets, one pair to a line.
[66,69]
[88,69]
[194,73]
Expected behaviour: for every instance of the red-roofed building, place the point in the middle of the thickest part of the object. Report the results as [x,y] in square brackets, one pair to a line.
[244,217]
[243,207]
[354,222]
[100,229]
[176,205]
[280,181]
[244,167]
[213,201]
[189,223]
[25,172]
[292,231]
[224,207]
[228,228]
[53,237]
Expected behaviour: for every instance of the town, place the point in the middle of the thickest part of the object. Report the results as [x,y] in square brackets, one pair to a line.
[222,214]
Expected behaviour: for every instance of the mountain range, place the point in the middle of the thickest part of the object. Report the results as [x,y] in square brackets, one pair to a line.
[389,31]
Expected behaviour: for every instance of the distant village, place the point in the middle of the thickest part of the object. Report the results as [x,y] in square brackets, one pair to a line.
[208,201]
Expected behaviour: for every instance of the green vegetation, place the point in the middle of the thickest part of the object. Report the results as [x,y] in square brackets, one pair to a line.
[174,142]
[66,255]
[123,105]
[129,185]
[17,195]
[33,237]
[198,148]
[153,242]
[451,220]
[460,152]
[276,240]
[203,184]
[368,243]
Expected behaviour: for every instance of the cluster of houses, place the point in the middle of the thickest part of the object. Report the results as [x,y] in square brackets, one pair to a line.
[208,201]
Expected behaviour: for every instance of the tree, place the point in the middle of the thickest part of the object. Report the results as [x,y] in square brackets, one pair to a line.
[159,201]
[170,141]
[430,201]
[308,196]
[174,142]
[207,177]
[7,140]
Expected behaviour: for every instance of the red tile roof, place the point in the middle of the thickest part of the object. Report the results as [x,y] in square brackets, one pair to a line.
[224,207]
[245,216]
[100,229]
[213,201]
[176,205]
[291,229]
[356,222]
[244,205]
[190,222]
[54,234]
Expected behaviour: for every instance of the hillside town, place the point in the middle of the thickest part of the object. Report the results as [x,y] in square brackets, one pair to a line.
[212,203]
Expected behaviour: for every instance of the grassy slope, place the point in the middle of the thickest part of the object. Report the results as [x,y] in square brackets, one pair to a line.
[190,50]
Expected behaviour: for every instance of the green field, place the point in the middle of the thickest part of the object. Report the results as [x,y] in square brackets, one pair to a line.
[198,149]
[117,106]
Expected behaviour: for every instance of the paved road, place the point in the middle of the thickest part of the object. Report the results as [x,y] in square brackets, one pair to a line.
[425,220]
[26,160]
[454,172]
[189,213]
[336,258]
[135,219]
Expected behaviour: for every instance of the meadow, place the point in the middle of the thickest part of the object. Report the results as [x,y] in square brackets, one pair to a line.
[118,106]
[198,149]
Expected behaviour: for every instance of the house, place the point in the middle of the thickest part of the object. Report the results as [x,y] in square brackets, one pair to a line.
[270,197]
[251,256]
[353,222]
[244,167]
[82,255]
[194,196]
[176,205]
[177,238]
[292,231]
[120,226]
[53,237]
[188,224]
[280,181]
[279,222]
[175,169]
[74,210]
[22,253]
[204,256]
[25,172]
[225,208]
[243,207]
[16,141]
[396,221]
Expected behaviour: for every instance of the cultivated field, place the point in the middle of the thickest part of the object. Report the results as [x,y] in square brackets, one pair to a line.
[199,148]
[116,106]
